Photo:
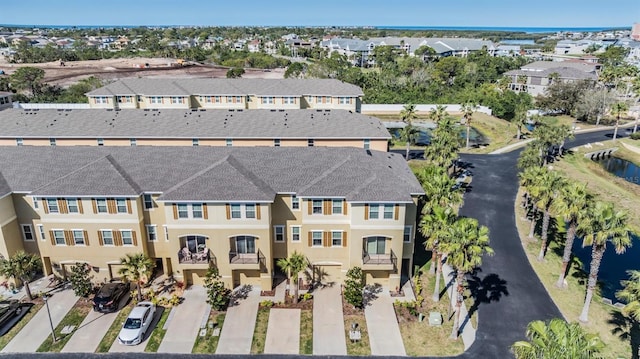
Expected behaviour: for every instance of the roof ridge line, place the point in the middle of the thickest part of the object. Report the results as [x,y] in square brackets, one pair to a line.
[326,173]
[121,171]
[197,174]
[235,163]
[71,173]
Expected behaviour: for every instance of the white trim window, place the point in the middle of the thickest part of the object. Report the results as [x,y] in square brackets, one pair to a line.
[276,142]
[36,203]
[229,142]
[195,142]
[316,238]
[107,237]
[155,99]
[148,201]
[278,233]
[43,237]
[367,144]
[78,237]
[72,205]
[166,232]
[27,232]
[267,100]
[196,211]
[316,206]
[190,210]
[101,100]
[177,99]
[52,142]
[336,238]
[247,210]
[336,206]
[288,100]
[183,210]
[19,142]
[121,205]
[127,237]
[310,142]
[52,205]
[58,237]
[295,202]
[250,210]
[101,205]
[295,233]
[100,141]
[381,211]
[406,235]
[133,142]
[152,234]
[344,100]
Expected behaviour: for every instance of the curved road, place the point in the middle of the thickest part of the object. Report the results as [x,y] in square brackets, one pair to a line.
[507,288]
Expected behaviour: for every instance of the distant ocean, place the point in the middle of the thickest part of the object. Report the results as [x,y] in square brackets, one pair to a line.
[528,30]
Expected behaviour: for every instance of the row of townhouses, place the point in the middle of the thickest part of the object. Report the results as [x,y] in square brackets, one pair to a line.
[534,78]
[241,93]
[188,208]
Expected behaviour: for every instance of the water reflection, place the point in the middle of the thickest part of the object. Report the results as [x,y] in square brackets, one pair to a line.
[624,169]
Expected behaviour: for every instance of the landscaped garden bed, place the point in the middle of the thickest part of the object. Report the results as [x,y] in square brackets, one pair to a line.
[208,343]
[351,316]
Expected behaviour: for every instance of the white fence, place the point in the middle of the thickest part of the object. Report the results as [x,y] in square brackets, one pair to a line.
[393,108]
[59,106]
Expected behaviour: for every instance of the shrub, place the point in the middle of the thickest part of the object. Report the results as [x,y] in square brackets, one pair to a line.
[354,286]
[218,296]
[307,296]
[266,304]
[635,136]
[80,279]
[175,300]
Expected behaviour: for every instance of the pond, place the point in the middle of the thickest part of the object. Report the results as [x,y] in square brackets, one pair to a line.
[613,267]
[624,169]
[518,42]
[424,137]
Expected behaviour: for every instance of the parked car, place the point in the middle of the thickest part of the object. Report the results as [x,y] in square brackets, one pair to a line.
[137,324]
[9,309]
[109,296]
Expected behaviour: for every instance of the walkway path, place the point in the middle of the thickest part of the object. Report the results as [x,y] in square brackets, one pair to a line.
[283,332]
[328,323]
[29,339]
[382,324]
[186,319]
[88,335]
[237,330]
[467,331]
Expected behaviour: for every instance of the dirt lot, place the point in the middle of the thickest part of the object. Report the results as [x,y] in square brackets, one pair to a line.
[114,69]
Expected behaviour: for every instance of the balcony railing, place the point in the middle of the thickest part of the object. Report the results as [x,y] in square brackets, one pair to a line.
[204,257]
[379,259]
[246,258]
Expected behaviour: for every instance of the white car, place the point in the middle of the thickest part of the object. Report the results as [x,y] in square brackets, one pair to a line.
[137,325]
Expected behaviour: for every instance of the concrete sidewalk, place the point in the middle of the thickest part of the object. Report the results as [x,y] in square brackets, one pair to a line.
[382,324]
[184,326]
[283,332]
[32,335]
[468,332]
[237,330]
[88,335]
[328,322]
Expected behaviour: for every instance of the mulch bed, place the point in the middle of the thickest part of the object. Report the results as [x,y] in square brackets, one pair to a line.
[288,303]
[348,309]
[404,315]
[268,293]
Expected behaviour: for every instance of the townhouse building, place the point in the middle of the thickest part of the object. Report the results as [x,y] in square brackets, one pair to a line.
[237,208]
[287,94]
[191,127]
[6,100]
[534,78]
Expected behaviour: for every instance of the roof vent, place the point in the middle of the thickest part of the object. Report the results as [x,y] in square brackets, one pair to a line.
[281,110]
[203,109]
[369,152]
[67,110]
[155,109]
[146,110]
[327,110]
[318,110]
[272,110]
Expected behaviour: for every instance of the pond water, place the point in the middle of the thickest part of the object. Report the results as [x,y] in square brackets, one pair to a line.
[424,137]
[624,169]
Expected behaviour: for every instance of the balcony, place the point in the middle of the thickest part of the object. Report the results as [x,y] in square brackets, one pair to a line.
[239,260]
[373,261]
[204,256]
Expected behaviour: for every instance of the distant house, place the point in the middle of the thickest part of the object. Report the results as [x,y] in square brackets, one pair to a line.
[635,31]
[534,78]
[508,50]
[5,100]
[253,46]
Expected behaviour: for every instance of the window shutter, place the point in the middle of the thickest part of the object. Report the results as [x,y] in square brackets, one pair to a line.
[228,209]
[129,206]
[396,212]
[86,238]
[100,240]
[310,237]
[62,206]
[327,207]
[68,236]
[175,211]
[327,240]
[257,210]
[134,237]
[310,205]
[53,238]
[80,209]
[117,238]
[111,206]
[45,206]
[344,239]
[94,205]
[205,211]
[366,211]
[344,207]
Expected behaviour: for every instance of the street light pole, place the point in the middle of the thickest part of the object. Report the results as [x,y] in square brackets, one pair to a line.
[45,297]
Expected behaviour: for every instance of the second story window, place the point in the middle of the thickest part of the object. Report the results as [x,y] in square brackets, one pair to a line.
[58,237]
[381,211]
[289,100]
[127,238]
[133,142]
[238,211]
[407,234]
[295,202]
[152,236]
[121,205]
[229,142]
[367,144]
[316,206]
[72,205]
[27,232]
[52,141]
[336,206]
[276,142]
[195,142]
[107,237]
[19,142]
[100,142]
[250,210]
[190,210]
[268,100]
[344,100]
[183,210]
[78,237]
[310,142]
[148,201]
[52,205]
[101,205]
[278,233]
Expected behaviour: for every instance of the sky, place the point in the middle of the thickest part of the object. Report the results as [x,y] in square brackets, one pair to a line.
[488,13]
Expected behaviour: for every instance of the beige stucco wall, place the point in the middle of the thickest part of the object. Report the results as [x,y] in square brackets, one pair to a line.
[10,233]
[109,104]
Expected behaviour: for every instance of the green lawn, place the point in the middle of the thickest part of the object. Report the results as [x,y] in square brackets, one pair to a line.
[209,343]
[260,331]
[5,339]
[158,333]
[74,317]
[111,335]
[306,332]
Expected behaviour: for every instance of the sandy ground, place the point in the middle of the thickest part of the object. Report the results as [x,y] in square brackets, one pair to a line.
[114,69]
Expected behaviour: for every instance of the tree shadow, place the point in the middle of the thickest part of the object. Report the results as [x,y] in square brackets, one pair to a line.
[626,329]
[241,292]
[484,290]
[370,294]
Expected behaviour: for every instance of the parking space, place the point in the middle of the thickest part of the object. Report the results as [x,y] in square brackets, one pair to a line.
[88,335]
[119,348]
[183,328]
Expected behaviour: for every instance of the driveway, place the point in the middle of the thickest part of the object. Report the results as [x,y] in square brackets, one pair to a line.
[29,339]
[328,322]
[283,332]
[237,331]
[384,332]
[119,348]
[88,335]
[185,323]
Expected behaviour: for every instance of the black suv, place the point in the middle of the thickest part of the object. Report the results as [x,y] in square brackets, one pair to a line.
[109,296]
[9,309]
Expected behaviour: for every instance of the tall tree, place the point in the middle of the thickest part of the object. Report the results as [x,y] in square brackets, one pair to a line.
[543,191]
[293,265]
[618,108]
[571,204]
[408,133]
[27,78]
[21,266]
[520,120]
[445,141]
[604,224]
[630,294]
[467,113]
[434,226]
[468,242]
[136,268]
[557,339]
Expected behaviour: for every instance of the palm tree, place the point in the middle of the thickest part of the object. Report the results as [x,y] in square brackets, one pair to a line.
[21,267]
[293,265]
[408,113]
[435,227]
[528,179]
[467,112]
[618,108]
[571,205]
[630,294]
[408,133]
[468,242]
[136,268]
[603,224]
[530,156]
[445,141]
[543,191]
[520,120]
[558,339]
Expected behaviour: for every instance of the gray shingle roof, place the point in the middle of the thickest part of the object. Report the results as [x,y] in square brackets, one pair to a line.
[563,72]
[185,87]
[176,123]
[208,173]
